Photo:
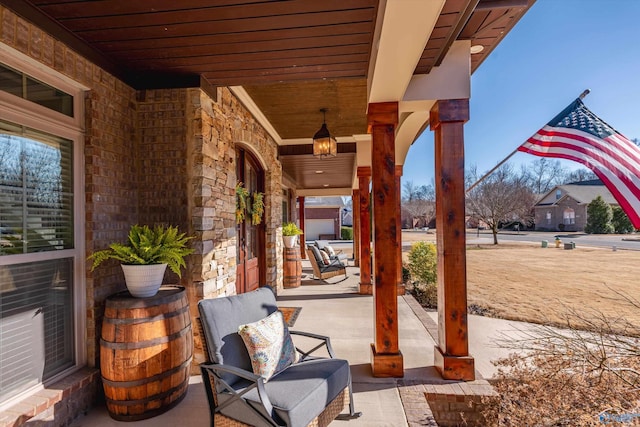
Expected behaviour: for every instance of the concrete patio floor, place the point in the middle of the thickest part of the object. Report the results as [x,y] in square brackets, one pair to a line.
[334,308]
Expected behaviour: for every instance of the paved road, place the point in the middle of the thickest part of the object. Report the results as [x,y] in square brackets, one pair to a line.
[621,241]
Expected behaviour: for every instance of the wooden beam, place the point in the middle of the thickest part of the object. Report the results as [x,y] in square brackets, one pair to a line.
[452,357]
[386,358]
[398,173]
[355,214]
[303,245]
[364,179]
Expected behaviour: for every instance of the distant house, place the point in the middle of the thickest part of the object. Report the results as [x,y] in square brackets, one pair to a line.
[564,208]
[323,217]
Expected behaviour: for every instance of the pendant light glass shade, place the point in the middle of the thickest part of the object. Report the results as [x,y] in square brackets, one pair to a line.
[323,143]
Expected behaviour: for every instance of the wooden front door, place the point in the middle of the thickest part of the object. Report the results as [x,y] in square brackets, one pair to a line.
[250,273]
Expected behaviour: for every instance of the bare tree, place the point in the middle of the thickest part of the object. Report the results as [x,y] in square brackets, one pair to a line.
[578,175]
[501,197]
[543,174]
[418,202]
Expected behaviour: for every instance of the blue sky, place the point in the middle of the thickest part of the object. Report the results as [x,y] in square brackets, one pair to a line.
[558,49]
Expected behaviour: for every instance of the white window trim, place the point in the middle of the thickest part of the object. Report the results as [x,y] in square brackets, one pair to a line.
[29,114]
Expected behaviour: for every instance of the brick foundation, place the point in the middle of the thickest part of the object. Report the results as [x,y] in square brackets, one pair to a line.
[448,403]
[56,405]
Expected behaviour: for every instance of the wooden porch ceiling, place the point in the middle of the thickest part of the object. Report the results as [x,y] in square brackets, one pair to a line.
[292,57]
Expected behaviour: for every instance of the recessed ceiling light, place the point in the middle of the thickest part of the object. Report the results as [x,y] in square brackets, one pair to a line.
[477,48]
[319,171]
[325,185]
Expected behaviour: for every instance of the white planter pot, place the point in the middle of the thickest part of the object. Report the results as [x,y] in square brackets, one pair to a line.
[289,241]
[144,280]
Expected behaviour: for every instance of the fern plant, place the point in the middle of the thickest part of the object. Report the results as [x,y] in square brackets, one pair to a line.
[148,246]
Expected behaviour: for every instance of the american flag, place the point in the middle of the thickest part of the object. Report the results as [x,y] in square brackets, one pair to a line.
[579,135]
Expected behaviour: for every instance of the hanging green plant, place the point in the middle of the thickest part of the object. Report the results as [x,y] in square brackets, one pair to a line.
[242,194]
[257,208]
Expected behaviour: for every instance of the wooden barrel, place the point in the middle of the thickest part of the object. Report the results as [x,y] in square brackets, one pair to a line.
[145,353]
[292,267]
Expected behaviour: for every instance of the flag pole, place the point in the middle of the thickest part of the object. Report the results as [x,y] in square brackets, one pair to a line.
[472,186]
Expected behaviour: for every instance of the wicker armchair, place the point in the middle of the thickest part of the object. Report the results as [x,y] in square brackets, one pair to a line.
[311,392]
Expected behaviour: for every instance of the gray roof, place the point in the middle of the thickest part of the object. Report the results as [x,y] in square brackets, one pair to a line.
[586,193]
[583,193]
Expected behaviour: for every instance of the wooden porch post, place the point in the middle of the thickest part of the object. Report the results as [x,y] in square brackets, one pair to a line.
[355,214]
[386,358]
[399,226]
[364,178]
[447,118]
[303,246]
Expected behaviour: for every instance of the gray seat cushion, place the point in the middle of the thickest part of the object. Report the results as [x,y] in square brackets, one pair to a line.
[220,320]
[299,393]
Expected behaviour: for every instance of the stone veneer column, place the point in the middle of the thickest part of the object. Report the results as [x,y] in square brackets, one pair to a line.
[215,128]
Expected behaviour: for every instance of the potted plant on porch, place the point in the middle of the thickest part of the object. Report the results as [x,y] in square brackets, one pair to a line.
[146,256]
[290,233]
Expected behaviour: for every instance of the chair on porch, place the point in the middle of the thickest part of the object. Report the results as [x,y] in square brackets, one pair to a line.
[300,390]
[324,245]
[324,268]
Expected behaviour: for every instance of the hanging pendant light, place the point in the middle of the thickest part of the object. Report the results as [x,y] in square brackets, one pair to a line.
[324,144]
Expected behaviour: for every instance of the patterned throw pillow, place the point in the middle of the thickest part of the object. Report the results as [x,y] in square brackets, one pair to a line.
[325,258]
[328,249]
[269,345]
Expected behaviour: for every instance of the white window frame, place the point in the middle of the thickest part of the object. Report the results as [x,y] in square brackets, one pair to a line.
[569,216]
[26,113]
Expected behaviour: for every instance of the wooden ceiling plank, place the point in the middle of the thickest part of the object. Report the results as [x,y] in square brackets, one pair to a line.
[311,69]
[257,56]
[84,16]
[475,22]
[259,79]
[182,29]
[275,63]
[283,73]
[80,8]
[248,37]
[239,48]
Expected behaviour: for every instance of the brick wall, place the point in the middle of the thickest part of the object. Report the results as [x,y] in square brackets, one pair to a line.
[159,156]
[557,215]
[110,141]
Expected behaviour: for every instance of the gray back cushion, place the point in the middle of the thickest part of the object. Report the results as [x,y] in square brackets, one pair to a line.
[320,244]
[317,256]
[221,318]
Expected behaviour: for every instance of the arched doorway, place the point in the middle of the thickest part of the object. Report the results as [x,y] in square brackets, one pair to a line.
[250,242]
